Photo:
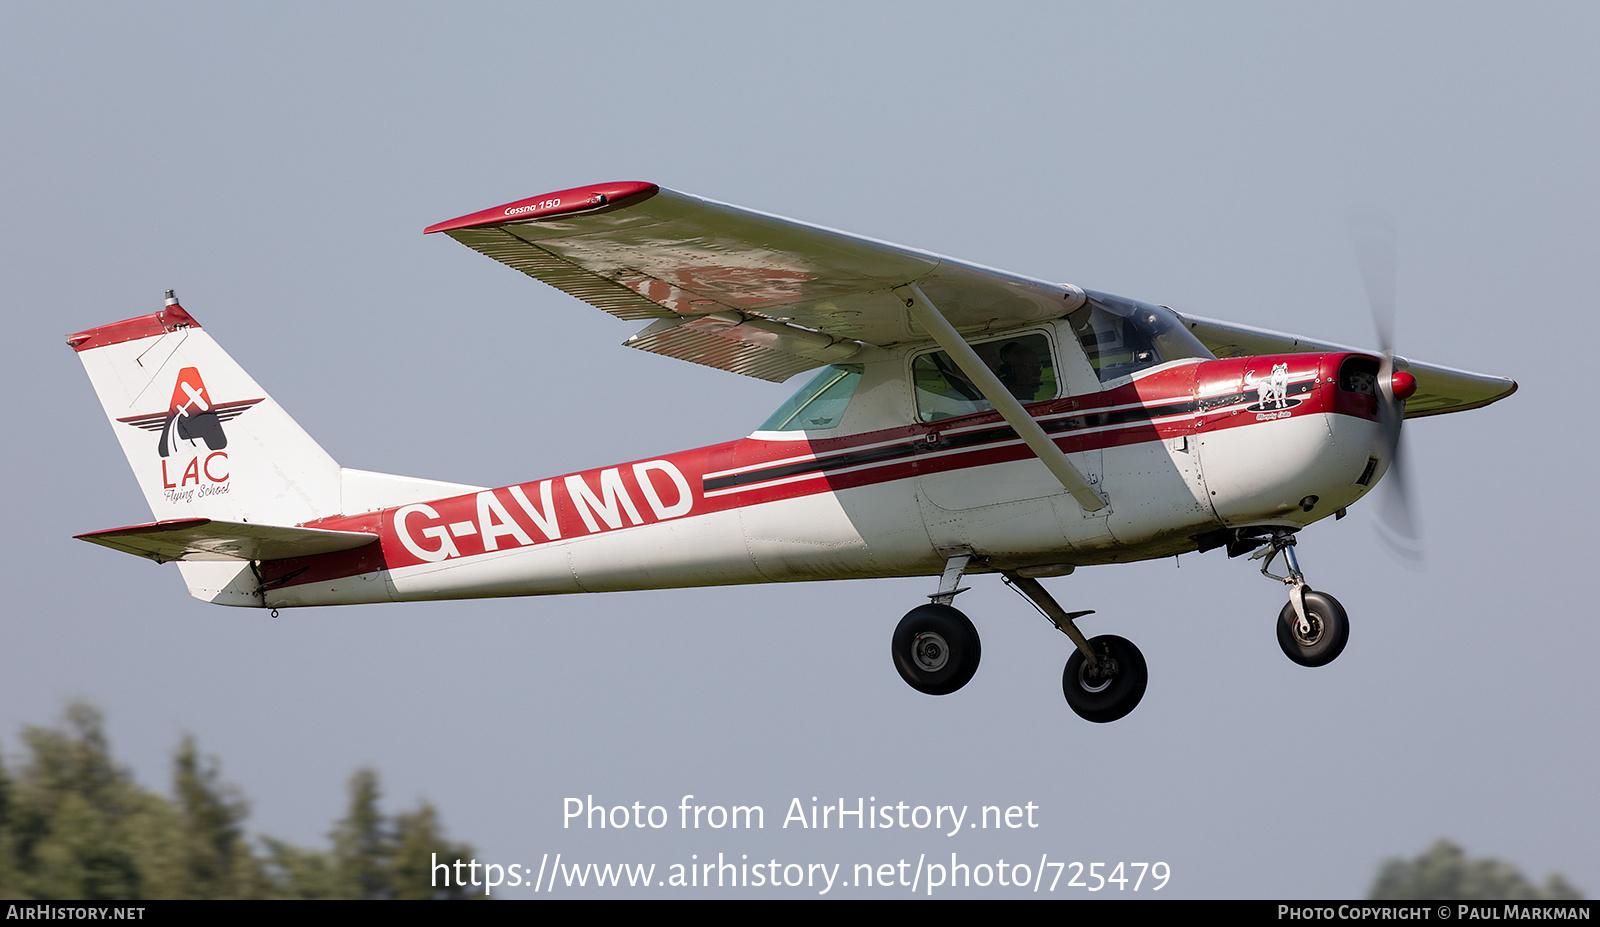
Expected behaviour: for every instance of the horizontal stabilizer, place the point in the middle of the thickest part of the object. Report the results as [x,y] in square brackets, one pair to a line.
[208,539]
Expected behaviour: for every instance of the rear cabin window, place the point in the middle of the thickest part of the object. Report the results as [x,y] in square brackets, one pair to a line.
[1023,364]
[820,404]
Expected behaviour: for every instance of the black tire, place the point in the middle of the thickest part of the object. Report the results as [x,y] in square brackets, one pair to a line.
[1109,696]
[936,649]
[1330,630]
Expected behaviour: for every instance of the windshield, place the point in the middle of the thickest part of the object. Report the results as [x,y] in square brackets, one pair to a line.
[1124,336]
[820,404]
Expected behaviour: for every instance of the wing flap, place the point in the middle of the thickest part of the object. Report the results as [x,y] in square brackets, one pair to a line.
[194,539]
[757,348]
[1439,389]
[569,278]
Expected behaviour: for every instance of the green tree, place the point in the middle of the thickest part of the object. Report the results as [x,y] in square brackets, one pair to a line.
[297,873]
[374,857]
[418,839]
[1444,873]
[362,847]
[74,825]
[9,886]
[217,861]
[73,811]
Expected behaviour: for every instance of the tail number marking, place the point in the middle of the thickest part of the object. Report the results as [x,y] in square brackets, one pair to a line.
[528,520]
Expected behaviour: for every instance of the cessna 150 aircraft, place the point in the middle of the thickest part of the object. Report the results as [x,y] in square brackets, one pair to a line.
[964,420]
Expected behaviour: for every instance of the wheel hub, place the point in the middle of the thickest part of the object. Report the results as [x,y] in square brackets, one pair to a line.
[1097,676]
[1308,632]
[930,651]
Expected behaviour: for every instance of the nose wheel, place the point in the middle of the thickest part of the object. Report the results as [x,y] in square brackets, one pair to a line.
[1312,628]
[1320,637]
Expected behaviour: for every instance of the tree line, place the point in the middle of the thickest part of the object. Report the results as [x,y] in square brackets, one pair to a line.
[1444,873]
[75,826]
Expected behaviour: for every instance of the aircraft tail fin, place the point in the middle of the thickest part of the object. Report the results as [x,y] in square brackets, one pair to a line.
[207,444]
[204,440]
[229,476]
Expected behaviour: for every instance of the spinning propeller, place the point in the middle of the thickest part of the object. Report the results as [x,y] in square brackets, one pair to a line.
[1372,233]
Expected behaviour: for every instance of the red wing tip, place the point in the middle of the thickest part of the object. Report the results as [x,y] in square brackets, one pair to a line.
[170,319]
[559,203]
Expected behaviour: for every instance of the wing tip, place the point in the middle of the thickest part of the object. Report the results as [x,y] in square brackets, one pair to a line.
[549,205]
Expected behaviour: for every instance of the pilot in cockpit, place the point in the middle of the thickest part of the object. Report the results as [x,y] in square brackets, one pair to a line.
[1019,371]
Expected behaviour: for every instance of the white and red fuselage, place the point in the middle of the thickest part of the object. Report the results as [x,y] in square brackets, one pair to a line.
[1183,450]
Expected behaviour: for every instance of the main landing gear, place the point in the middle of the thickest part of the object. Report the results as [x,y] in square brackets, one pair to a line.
[1312,628]
[936,650]
[936,647]
[1105,676]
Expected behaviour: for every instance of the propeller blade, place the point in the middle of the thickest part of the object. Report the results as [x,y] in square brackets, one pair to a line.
[1372,233]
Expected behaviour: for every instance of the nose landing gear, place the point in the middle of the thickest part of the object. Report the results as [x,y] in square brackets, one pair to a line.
[1313,627]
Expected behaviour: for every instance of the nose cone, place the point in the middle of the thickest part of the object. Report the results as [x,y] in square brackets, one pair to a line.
[1403,384]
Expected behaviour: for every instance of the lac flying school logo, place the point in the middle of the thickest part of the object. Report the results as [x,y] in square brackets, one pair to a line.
[192,427]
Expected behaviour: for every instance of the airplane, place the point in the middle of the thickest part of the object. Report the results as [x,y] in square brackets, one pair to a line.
[965,420]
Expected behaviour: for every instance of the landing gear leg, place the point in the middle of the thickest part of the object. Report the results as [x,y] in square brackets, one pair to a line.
[1106,677]
[1313,627]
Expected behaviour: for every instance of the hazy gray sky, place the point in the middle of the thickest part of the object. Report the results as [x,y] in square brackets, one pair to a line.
[277,163]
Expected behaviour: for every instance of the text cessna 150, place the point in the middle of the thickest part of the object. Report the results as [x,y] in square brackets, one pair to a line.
[965,420]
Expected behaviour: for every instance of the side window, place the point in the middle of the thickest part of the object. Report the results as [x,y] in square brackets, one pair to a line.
[1023,364]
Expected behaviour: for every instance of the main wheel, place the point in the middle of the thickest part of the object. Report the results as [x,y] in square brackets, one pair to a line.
[936,649]
[1113,687]
[1330,630]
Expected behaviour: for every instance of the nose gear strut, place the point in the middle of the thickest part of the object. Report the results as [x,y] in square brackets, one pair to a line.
[1282,541]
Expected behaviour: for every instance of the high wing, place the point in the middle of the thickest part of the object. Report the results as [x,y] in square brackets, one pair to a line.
[740,290]
[768,297]
[1439,389]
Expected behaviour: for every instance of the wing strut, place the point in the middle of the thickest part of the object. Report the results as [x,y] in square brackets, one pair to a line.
[931,319]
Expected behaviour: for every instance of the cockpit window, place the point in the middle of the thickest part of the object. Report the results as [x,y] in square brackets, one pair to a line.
[820,404]
[1124,336]
[1022,363]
